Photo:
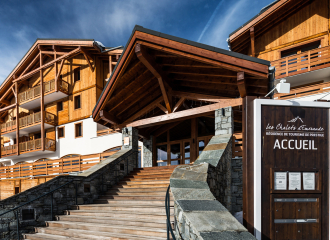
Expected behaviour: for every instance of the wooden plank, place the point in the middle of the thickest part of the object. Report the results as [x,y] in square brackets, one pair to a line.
[8,107]
[241,84]
[162,108]
[185,114]
[149,62]
[178,104]
[200,97]
[144,110]
[106,116]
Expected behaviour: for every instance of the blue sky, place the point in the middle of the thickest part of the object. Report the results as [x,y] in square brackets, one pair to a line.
[112,21]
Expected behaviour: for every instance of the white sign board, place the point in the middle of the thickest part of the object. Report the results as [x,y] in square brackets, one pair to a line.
[309,180]
[280,180]
[294,181]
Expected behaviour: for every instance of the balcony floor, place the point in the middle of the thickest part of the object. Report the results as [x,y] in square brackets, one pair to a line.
[36,153]
[49,97]
[26,130]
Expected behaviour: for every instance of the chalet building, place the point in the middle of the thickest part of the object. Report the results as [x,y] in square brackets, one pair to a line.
[46,106]
[294,37]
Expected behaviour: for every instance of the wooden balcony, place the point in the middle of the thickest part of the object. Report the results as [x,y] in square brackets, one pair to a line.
[301,63]
[105,132]
[28,147]
[9,150]
[30,98]
[29,123]
[304,91]
[54,166]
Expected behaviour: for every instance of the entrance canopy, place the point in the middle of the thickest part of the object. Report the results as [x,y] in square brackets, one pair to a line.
[161,79]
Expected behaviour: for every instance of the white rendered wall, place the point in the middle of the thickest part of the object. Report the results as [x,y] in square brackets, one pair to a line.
[88,144]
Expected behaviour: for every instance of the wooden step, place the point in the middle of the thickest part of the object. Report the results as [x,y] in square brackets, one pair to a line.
[117,189]
[135,197]
[146,178]
[118,229]
[157,168]
[149,182]
[155,223]
[108,207]
[154,176]
[143,186]
[95,235]
[118,214]
[130,202]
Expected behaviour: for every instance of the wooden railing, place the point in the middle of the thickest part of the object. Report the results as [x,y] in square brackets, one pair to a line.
[237,145]
[34,145]
[304,62]
[304,91]
[48,87]
[105,132]
[28,120]
[53,167]
[8,150]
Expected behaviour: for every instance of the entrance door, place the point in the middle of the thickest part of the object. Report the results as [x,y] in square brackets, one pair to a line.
[174,153]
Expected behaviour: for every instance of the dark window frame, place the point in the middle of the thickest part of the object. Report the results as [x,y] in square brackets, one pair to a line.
[81,129]
[75,102]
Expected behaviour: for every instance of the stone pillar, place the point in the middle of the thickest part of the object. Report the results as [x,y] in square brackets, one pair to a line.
[147,152]
[130,140]
[224,121]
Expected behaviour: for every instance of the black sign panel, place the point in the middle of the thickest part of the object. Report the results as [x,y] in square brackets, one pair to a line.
[294,140]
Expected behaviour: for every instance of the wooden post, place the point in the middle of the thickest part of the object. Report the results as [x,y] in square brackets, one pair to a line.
[252,42]
[79,163]
[194,143]
[309,60]
[17,118]
[248,163]
[42,106]
[56,82]
[287,66]
[110,65]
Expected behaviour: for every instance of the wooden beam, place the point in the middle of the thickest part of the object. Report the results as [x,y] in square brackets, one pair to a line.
[149,62]
[70,54]
[107,117]
[252,42]
[8,107]
[50,52]
[110,66]
[42,104]
[6,102]
[87,57]
[31,63]
[200,97]
[144,110]
[56,68]
[162,108]
[60,69]
[185,114]
[178,104]
[241,84]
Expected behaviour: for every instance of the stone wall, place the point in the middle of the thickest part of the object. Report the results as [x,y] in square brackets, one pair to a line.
[236,185]
[147,152]
[83,188]
[203,192]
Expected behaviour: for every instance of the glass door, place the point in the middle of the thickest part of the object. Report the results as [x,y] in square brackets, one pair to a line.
[186,145]
[161,155]
[175,153]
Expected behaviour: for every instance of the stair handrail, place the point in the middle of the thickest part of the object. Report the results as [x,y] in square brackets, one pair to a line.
[167,209]
[29,202]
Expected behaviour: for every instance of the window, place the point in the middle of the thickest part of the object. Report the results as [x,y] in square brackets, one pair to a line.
[300,49]
[77,102]
[60,132]
[76,74]
[78,130]
[60,106]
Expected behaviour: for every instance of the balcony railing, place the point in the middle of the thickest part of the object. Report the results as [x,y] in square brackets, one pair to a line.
[28,120]
[304,91]
[9,150]
[304,62]
[105,132]
[54,167]
[35,145]
[35,92]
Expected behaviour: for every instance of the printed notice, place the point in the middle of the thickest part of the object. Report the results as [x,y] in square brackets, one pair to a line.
[309,180]
[280,180]
[294,181]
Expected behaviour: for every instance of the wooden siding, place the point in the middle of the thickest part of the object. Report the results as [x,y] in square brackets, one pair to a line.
[311,22]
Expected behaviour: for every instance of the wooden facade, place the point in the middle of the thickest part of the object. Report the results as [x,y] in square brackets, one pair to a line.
[44,86]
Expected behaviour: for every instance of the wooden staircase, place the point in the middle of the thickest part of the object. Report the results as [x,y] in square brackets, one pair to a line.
[134,209]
